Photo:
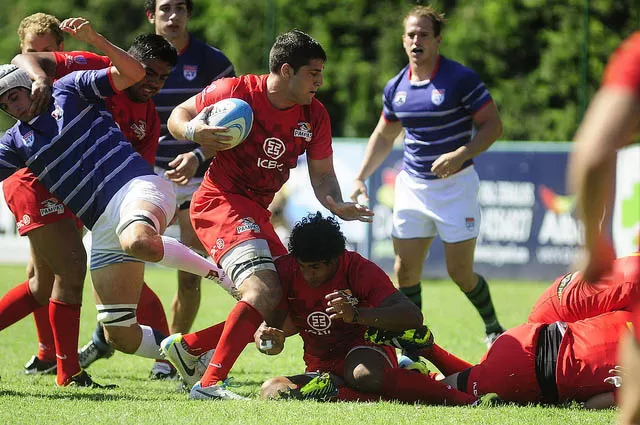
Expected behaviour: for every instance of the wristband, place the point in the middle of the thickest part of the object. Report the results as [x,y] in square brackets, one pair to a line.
[198,153]
[189,131]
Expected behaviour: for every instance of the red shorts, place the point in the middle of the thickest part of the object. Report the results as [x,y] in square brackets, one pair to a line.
[222,220]
[570,298]
[335,364]
[508,368]
[587,352]
[31,204]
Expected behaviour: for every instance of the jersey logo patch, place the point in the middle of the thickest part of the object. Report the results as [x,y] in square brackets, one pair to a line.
[400,98]
[57,113]
[26,220]
[80,60]
[274,148]
[51,206]
[139,129]
[28,138]
[190,72]
[437,96]
[319,322]
[303,131]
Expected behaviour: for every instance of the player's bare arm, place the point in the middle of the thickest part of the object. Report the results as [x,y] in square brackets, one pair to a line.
[185,123]
[488,130]
[41,68]
[378,147]
[395,313]
[327,189]
[185,165]
[125,71]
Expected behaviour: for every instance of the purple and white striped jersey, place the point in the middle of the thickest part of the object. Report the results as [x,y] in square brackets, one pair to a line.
[75,148]
[437,114]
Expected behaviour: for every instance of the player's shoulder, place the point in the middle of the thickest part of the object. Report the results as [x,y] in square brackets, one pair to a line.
[396,79]
[453,69]
[200,47]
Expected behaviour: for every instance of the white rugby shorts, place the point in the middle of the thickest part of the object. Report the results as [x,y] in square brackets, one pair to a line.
[105,244]
[448,207]
[184,192]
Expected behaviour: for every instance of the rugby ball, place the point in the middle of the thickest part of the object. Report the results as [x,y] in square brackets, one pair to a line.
[234,114]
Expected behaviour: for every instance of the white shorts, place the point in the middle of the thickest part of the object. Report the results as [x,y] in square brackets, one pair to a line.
[105,244]
[184,192]
[448,207]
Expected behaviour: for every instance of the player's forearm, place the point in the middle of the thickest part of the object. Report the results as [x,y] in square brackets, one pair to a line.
[378,148]
[38,65]
[393,318]
[178,121]
[327,185]
[486,134]
[128,67]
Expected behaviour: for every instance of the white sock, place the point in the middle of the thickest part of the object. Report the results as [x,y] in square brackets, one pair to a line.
[149,345]
[178,256]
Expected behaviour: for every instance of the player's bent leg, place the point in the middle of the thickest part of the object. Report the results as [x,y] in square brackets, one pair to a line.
[273,387]
[363,368]
[409,257]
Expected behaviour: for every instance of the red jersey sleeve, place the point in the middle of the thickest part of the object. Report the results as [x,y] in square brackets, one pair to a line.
[149,145]
[368,281]
[320,145]
[623,69]
[67,62]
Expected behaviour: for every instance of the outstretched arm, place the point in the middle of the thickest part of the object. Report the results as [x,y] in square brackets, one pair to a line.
[126,70]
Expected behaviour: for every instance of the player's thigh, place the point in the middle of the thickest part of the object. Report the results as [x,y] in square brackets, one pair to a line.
[411,253]
[59,246]
[119,283]
[364,366]
[410,212]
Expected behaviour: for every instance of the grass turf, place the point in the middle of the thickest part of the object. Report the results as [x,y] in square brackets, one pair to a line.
[456,326]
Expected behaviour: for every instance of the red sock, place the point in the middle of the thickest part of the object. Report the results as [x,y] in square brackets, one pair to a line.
[446,362]
[204,340]
[349,394]
[410,386]
[46,344]
[65,321]
[17,304]
[150,311]
[241,324]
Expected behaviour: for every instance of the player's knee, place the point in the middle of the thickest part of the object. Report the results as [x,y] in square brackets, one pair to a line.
[119,321]
[144,246]
[364,378]
[273,386]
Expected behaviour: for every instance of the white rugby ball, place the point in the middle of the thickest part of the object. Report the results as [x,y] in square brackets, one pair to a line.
[234,114]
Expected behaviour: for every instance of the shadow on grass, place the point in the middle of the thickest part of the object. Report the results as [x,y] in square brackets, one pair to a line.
[99,395]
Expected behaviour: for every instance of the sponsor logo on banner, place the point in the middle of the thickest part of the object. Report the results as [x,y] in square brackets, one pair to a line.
[400,98]
[304,131]
[190,72]
[437,96]
[51,206]
[248,224]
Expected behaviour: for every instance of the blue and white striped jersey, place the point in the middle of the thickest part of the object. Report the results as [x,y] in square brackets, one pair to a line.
[75,148]
[198,65]
[437,114]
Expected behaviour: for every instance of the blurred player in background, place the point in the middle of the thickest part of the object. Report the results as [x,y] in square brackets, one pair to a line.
[184,162]
[611,121]
[229,210]
[449,118]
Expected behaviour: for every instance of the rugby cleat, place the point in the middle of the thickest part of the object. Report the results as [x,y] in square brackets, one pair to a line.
[163,371]
[410,340]
[320,388]
[488,400]
[219,391]
[82,379]
[90,352]
[174,350]
[35,366]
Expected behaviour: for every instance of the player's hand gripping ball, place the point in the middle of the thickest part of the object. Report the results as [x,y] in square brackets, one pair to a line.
[234,114]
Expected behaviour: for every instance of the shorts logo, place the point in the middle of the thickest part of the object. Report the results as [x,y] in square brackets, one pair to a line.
[212,275]
[470,222]
[304,131]
[26,220]
[28,138]
[190,72]
[51,206]
[248,225]
[400,98]
[475,388]
[219,243]
[319,322]
[80,60]
[437,96]
[139,129]
[566,280]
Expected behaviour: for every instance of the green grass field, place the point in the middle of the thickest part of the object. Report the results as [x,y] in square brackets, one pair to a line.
[35,400]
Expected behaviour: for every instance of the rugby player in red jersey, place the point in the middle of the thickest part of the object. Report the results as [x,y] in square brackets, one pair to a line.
[229,210]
